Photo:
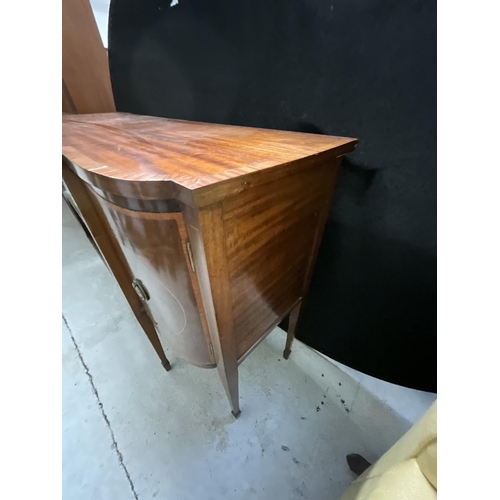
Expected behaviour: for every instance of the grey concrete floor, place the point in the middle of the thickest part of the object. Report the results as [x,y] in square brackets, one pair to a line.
[133,431]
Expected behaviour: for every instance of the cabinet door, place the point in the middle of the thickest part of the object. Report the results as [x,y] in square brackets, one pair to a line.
[155,246]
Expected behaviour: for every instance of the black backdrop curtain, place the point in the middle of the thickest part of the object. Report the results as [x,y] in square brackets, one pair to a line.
[359,68]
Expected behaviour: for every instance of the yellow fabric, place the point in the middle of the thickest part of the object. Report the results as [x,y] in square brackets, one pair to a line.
[403,481]
[407,471]
[427,460]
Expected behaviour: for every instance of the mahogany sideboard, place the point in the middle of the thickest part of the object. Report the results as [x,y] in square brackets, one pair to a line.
[211,231]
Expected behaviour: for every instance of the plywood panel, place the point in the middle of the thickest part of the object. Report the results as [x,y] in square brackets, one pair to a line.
[85,70]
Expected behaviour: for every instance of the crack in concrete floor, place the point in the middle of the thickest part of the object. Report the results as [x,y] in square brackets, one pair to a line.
[95,392]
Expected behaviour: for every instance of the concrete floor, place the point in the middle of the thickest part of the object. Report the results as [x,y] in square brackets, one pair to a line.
[133,431]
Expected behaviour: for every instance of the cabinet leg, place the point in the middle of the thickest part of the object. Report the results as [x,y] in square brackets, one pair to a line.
[292,323]
[148,327]
[229,379]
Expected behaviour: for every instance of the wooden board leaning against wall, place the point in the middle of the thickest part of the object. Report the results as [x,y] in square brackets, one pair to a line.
[86,84]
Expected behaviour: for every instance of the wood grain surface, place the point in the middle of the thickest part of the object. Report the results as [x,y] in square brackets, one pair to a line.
[160,158]
[221,224]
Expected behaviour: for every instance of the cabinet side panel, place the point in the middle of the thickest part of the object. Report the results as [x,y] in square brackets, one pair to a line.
[272,233]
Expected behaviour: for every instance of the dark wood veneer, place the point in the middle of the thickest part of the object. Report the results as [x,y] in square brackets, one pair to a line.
[219,224]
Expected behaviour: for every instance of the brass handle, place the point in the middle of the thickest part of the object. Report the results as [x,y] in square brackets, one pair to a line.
[140,289]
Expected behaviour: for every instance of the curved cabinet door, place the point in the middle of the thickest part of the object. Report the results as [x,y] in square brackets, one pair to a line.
[155,246]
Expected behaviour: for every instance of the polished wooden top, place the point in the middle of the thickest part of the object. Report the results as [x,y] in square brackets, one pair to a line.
[192,155]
